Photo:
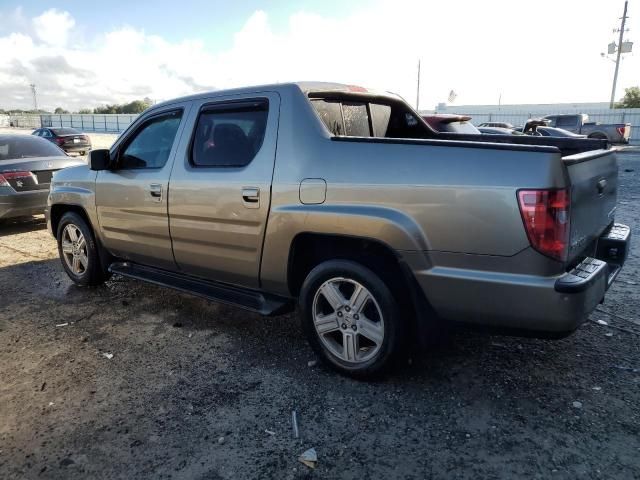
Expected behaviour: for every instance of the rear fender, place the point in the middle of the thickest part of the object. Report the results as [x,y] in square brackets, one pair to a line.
[385,225]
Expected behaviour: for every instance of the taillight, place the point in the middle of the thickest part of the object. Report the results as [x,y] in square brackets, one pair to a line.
[6,176]
[59,140]
[621,130]
[545,214]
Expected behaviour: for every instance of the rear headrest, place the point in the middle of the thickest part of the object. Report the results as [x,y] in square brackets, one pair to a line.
[226,134]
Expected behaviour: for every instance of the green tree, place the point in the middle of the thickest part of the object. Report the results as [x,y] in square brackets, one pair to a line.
[60,110]
[85,111]
[631,98]
[137,106]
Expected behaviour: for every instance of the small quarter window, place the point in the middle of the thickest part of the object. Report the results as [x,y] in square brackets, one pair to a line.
[331,115]
[356,119]
[229,135]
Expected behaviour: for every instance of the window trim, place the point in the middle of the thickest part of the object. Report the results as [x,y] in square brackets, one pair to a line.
[117,160]
[228,106]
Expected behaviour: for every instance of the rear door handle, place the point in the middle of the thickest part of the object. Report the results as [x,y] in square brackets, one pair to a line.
[251,197]
[155,190]
[601,186]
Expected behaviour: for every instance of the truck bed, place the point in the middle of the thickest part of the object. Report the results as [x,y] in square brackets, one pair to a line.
[567,146]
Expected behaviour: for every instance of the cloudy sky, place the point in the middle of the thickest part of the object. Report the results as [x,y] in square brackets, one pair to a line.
[84,54]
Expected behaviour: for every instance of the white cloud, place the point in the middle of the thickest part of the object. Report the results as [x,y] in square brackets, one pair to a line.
[52,27]
[480,49]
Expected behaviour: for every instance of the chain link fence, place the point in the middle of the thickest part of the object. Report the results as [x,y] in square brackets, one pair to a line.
[520,117]
[112,123]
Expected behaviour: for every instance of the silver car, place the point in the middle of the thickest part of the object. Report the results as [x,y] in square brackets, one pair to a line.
[27,164]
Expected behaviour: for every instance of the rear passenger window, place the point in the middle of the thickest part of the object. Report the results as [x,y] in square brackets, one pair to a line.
[566,121]
[229,135]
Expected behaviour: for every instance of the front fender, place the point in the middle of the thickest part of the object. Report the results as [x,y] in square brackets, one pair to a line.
[74,187]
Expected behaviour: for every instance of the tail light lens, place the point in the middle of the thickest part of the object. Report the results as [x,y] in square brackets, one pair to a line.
[545,214]
[6,176]
[59,140]
[621,130]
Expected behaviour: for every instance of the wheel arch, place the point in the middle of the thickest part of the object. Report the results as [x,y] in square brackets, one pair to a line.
[57,211]
[598,134]
[309,249]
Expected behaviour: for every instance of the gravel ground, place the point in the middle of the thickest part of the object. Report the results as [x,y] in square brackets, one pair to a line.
[199,390]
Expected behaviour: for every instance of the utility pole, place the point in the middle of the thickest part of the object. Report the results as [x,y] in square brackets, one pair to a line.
[418,88]
[615,75]
[35,98]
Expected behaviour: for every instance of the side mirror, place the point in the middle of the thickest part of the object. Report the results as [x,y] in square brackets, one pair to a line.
[99,159]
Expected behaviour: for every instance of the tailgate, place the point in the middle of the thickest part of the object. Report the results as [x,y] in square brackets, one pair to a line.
[594,187]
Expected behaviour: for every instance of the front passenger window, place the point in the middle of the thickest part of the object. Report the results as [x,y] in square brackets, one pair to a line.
[151,145]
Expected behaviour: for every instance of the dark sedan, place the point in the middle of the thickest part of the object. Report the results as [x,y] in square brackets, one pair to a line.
[557,132]
[68,139]
[27,164]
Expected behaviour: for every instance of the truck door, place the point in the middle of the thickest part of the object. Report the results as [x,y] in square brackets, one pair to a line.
[220,187]
[131,198]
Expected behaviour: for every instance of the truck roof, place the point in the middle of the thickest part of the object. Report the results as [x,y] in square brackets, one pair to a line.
[304,87]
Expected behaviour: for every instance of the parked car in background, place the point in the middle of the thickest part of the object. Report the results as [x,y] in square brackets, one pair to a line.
[68,139]
[344,201]
[498,131]
[447,122]
[27,164]
[497,125]
[580,124]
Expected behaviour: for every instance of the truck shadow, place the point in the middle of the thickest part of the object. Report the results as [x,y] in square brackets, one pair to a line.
[22,225]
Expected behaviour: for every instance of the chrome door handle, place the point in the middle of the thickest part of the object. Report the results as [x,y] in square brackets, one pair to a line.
[155,190]
[251,197]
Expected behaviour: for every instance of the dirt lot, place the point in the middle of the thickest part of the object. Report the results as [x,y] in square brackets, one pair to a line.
[198,390]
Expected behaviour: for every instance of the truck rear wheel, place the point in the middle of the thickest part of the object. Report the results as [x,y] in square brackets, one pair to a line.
[350,318]
[79,252]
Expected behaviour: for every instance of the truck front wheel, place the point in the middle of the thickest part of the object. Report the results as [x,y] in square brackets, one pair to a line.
[350,318]
[79,252]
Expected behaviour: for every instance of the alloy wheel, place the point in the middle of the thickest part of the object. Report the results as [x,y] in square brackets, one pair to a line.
[348,320]
[74,249]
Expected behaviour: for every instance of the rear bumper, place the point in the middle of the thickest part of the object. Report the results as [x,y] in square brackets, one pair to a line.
[18,204]
[541,306]
[77,147]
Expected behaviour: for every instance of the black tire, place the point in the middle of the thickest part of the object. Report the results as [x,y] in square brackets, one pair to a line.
[394,326]
[598,136]
[94,274]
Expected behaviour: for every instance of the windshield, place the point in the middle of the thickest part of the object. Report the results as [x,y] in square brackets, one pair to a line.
[65,131]
[24,146]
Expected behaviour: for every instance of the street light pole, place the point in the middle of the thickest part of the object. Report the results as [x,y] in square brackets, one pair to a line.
[615,75]
[35,98]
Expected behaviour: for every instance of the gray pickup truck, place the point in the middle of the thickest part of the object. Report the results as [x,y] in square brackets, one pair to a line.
[344,201]
[580,124]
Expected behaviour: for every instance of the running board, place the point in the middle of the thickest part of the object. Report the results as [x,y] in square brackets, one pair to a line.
[253,300]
